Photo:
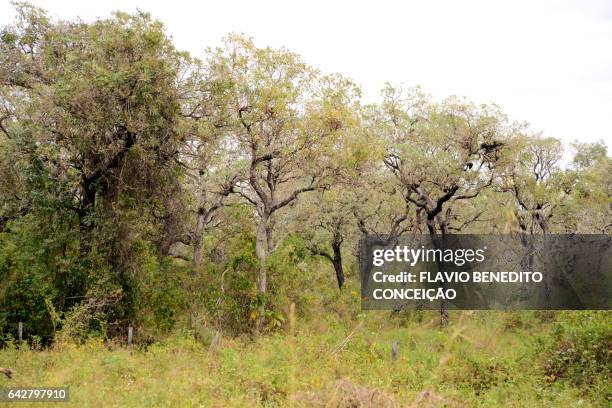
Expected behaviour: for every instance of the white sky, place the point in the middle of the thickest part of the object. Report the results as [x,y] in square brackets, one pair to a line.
[546,62]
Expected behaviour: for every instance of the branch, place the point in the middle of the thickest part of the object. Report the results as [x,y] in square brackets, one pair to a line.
[246,197]
[320,252]
[114,162]
[466,223]
[293,196]
[254,183]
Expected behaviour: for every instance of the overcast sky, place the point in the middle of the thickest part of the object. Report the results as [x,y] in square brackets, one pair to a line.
[545,62]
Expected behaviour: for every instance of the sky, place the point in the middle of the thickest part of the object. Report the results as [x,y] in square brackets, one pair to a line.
[546,62]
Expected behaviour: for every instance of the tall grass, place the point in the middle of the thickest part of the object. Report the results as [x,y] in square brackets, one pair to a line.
[481,359]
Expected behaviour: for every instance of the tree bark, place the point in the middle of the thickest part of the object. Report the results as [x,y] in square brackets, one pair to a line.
[337,262]
[435,240]
[197,236]
[261,249]
[86,209]
[431,225]
[206,215]
[542,222]
[269,236]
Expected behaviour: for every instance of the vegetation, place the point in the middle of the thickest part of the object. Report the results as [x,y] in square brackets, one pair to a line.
[216,206]
[485,359]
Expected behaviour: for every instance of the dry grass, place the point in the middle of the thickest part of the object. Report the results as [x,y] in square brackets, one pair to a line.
[433,368]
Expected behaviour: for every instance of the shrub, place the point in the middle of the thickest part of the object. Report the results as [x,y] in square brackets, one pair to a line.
[581,349]
[480,375]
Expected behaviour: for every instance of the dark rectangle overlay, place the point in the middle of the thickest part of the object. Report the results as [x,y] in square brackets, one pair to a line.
[487,272]
[34,394]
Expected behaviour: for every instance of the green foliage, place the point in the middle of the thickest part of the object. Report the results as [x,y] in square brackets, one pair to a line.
[221,294]
[580,350]
[481,375]
[589,154]
[238,298]
[161,300]
[38,266]
[194,200]
[314,367]
[309,282]
[89,172]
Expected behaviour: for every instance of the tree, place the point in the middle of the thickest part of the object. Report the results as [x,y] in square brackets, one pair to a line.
[287,118]
[109,97]
[347,211]
[326,222]
[355,204]
[535,181]
[439,153]
[91,111]
[442,153]
[205,155]
[589,208]
[380,210]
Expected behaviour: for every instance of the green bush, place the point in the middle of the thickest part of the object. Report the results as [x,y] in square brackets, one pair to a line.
[480,374]
[581,350]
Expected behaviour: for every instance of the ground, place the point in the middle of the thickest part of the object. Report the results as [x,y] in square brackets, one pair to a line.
[480,359]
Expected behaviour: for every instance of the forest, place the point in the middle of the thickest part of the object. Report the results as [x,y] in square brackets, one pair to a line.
[216,206]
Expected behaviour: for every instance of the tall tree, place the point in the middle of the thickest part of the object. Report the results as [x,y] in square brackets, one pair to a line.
[91,110]
[589,208]
[535,181]
[356,204]
[439,153]
[287,119]
[326,222]
[205,156]
[97,97]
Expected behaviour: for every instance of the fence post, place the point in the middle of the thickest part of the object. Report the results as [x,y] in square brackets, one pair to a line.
[394,350]
[20,331]
[130,335]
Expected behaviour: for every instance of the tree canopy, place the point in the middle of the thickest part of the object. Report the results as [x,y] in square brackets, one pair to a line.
[139,184]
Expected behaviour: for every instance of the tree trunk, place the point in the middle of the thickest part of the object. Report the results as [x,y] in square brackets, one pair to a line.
[85,213]
[269,237]
[418,219]
[443,223]
[197,237]
[431,226]
[541,221]
[261,249]
[337,262]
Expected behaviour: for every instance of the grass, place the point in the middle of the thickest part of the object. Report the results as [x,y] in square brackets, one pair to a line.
[481,359]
